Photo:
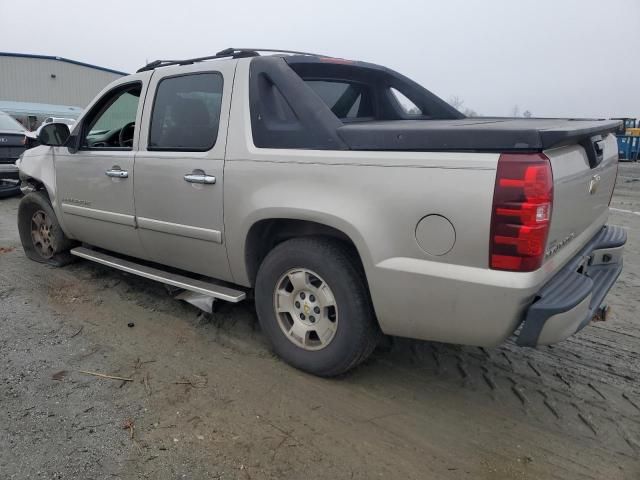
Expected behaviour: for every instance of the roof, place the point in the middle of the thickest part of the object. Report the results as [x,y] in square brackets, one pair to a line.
[31,108]
[61,59]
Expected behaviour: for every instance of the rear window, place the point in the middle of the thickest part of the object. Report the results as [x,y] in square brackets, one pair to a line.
[407,106]
[358,91]
[347,100]
[8,123]
[302,102]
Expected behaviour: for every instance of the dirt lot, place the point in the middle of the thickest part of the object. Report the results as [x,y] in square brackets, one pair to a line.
[208,399]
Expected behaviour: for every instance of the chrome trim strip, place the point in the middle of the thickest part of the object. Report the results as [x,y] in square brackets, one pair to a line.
[180,281]
[95,214]
[181,230]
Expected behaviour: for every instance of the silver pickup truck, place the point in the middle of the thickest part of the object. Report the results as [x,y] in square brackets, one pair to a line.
[351,200]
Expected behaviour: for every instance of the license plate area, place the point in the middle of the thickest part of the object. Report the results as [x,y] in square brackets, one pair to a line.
[605,256]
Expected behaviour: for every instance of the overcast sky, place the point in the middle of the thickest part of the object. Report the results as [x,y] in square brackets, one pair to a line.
[552,57]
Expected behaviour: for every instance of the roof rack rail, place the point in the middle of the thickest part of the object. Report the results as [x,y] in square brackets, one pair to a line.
[226,53]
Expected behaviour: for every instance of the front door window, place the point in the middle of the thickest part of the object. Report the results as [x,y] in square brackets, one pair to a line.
[112,123]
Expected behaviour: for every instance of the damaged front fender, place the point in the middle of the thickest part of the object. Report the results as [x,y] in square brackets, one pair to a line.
[37,171]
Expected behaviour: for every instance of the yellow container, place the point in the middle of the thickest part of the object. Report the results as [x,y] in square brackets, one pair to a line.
[634,132]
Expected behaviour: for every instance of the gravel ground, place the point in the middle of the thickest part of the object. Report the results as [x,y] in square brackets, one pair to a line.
[209,400]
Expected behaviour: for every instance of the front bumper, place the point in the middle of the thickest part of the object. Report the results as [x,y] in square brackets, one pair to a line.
[568,302]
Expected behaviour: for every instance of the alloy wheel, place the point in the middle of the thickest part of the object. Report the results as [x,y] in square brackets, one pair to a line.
[42,235]
[306,309]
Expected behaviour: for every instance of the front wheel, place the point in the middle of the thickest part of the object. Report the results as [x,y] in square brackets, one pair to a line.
[313,305]
[40,233]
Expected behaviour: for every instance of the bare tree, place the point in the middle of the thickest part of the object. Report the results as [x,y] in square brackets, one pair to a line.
[456,102]
[527,114]
[515,111]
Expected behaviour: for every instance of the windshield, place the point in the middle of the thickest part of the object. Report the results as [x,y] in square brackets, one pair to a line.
[8,123]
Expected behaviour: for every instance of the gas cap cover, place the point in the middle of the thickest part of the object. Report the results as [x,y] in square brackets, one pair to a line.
[435,234]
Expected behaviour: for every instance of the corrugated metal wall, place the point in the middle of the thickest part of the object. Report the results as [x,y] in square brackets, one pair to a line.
[30,80]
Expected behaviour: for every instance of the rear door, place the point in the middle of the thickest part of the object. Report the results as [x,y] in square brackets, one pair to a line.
[180,167]
[95,183]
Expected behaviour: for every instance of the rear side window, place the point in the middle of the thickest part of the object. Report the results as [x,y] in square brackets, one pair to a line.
[186,113]
[347,100]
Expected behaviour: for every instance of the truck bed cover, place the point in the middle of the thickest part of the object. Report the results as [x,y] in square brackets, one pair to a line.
[472,134]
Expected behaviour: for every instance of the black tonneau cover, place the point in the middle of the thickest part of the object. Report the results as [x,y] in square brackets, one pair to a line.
[472,134]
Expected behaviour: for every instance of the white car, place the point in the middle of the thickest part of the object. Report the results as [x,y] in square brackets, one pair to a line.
[66,121]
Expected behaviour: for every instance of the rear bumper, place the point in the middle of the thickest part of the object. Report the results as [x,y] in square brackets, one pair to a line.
[8,170]
[568,302]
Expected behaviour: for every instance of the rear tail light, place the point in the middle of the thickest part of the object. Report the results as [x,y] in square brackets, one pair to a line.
[521,214]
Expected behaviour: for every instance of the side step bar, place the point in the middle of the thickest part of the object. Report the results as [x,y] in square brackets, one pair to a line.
[180,281]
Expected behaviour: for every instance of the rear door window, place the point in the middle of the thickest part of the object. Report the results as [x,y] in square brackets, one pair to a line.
[347,100]
[186,113]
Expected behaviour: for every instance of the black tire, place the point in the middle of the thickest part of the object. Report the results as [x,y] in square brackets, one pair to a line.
[9,188]
[58,253]
[357,332]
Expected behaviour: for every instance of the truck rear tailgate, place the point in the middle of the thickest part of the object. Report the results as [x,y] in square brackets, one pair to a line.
[582,189]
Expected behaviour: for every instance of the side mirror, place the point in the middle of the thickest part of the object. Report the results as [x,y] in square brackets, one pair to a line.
[54,134]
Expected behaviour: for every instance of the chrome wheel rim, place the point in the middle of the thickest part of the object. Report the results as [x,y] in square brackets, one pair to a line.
[41,235]
[306,309]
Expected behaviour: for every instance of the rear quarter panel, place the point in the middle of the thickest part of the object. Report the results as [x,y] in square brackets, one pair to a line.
[378,206]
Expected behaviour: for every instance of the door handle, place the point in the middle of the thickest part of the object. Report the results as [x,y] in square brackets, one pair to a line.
[200,178]
[117,173]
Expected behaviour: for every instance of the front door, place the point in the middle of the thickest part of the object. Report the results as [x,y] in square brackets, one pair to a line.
[179,168]
[95,184]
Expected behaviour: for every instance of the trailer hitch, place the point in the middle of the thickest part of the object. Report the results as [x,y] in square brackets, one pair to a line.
[601,314]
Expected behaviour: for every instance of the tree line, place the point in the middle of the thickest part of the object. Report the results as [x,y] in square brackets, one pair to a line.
[458,103]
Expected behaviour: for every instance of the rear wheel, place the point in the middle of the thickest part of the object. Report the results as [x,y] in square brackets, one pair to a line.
[313,304]
[42,238]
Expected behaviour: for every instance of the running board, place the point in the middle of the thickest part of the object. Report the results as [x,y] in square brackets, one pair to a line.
[180,281]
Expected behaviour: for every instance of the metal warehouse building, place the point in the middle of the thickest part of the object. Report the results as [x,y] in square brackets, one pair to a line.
[51,80]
